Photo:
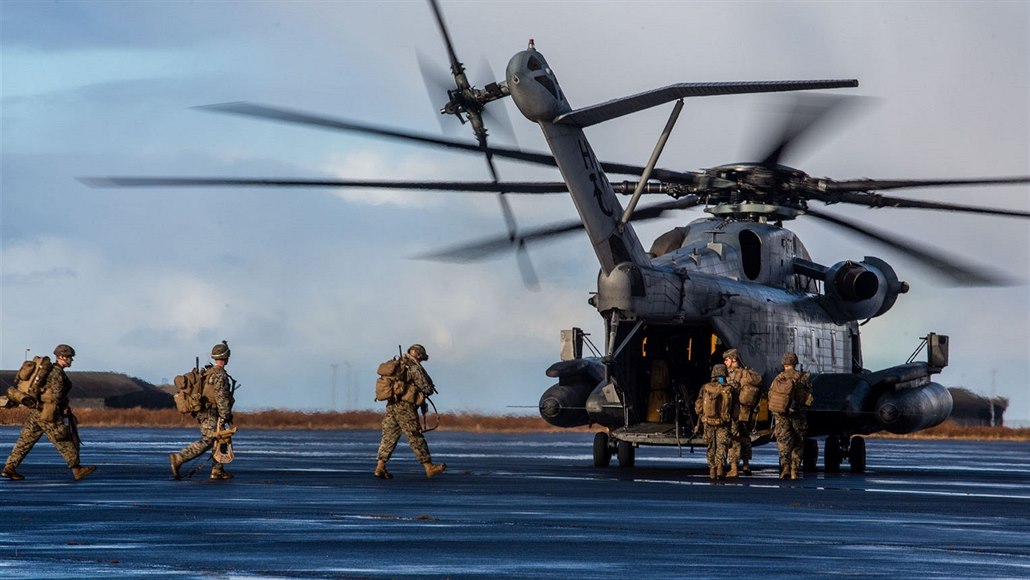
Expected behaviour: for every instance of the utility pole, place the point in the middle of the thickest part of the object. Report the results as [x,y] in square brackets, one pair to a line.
[334,366]
[994,390]
[351,403]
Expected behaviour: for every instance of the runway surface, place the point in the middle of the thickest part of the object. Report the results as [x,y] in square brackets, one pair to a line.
[304,504]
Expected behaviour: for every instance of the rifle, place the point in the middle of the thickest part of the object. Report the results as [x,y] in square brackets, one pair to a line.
[425,420]
[73,427]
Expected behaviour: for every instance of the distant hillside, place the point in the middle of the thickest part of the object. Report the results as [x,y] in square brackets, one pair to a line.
[107,390]
[971,409]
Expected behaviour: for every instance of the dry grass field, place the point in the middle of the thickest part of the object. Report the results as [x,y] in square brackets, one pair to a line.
[282,419]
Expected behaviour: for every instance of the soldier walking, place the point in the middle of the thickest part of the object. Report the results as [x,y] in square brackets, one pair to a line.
[747,392]
[49,418]
[215,413]
[789,395]
[713,406]
[413,385]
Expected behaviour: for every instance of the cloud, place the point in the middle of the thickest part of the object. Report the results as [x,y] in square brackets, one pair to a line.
[297,280]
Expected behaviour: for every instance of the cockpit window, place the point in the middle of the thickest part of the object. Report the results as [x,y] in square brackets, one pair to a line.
[533,64]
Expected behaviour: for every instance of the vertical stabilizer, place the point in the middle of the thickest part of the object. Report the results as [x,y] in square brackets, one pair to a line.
[539,97]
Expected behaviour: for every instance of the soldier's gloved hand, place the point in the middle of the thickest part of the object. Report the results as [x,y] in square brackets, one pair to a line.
[228,419]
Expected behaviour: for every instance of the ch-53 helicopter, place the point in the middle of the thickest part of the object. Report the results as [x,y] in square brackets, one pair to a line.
[738,279]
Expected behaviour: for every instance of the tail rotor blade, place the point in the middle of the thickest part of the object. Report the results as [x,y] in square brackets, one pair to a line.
[457,69]
[437,83]
[495,113]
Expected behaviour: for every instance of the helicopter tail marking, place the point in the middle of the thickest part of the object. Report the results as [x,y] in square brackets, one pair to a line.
[538,96]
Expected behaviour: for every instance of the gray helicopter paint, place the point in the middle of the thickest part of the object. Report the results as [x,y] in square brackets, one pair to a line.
[751,282]
[763,316]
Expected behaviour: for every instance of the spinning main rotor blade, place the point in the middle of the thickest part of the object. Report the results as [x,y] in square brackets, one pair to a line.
[493,245]
[860,185]
[876,200]
[467,186]
[947,266]
[808,112]
[301,118]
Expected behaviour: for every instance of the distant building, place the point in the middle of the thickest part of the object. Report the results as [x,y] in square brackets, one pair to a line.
[93,390]
[975,410]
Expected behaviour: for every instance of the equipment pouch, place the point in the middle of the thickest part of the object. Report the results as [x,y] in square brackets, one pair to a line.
[19,398]
[49,412]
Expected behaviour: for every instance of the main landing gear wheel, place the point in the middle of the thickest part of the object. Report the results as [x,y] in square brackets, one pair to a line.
[626,453]
[833,455]
[856,454]
[810,456]
[602,452]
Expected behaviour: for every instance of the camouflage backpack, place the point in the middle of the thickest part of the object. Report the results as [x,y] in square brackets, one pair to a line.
[30,379]
[189,395]
[750,391]
[714,405]
[390,384]
[783,393]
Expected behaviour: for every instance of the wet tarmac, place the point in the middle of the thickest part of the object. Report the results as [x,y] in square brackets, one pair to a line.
[304,505]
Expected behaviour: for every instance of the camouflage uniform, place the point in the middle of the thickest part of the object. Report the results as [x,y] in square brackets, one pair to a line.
[55,389]
[790,427]
[743,422]
[49,419]
[215,415]
[717,429]
[402,416]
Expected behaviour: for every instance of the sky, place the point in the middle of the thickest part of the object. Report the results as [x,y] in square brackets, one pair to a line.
[314,288]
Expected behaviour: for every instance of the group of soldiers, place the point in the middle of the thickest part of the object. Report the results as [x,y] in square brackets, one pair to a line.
[54,418]
[727,407]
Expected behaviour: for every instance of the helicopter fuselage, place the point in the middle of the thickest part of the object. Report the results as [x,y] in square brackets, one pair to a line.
[734,281]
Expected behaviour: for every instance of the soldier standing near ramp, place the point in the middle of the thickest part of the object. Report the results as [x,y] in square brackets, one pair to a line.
[411,387]
[48,418]
[789,395]
[215,414]
[747,392]
[713,406]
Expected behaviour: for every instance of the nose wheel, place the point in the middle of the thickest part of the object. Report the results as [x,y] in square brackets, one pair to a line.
[627,454]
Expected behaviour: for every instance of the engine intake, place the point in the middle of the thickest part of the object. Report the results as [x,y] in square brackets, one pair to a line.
[855,290]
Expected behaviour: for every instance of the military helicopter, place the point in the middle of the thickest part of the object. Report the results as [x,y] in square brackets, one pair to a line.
[738,279]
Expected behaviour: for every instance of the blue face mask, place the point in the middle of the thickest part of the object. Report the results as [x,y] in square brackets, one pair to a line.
[722,379]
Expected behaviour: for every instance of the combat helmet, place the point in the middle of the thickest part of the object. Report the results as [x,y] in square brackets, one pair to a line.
[718,370]
[64,350]
[790,359]
[419,350]
[732,354]
[220,351]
